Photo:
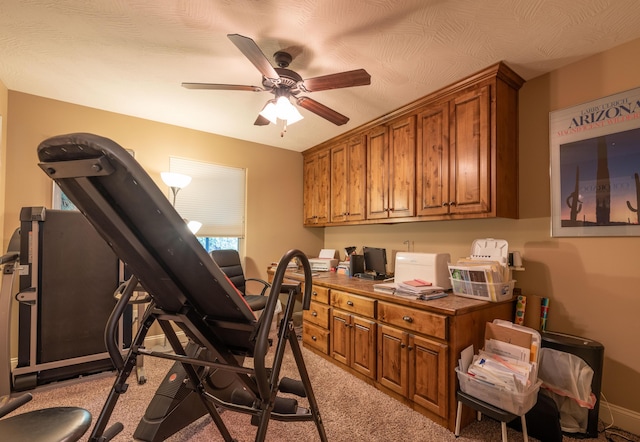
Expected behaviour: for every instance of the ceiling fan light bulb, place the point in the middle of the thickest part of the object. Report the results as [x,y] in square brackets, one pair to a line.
[294,116]
[270,112]
[287,111]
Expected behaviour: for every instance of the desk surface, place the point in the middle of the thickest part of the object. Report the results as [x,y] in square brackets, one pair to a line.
[450,305]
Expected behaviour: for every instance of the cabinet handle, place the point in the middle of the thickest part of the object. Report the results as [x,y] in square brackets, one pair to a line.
[313,338]
[314,314]
[350,303]
[407,318]
[452,203]
[402,345]
[445,204]
[410,348]
[314,293]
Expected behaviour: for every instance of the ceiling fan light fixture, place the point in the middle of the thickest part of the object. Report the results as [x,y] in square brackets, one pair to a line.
[281,109]
[270,112]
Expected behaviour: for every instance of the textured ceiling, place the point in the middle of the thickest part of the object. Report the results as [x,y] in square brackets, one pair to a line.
[130,56]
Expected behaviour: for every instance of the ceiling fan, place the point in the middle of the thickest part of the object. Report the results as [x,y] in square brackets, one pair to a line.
[285,84]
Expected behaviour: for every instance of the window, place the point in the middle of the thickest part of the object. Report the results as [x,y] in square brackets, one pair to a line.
[216,198]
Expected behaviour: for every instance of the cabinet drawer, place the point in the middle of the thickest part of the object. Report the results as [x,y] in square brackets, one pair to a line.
[419,321]
[353,303]
[320,294]
[317,314]
[315,337]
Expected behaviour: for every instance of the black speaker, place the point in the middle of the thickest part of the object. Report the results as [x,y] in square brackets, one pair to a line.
[356,264]
[592,353]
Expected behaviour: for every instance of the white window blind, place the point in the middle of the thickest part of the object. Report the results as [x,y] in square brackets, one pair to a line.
[215,197]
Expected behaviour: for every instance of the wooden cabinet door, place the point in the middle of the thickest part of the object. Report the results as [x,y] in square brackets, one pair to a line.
[392,359]
[339,183]
[470,168]
[432,161]
[402,167]
[356,178]
[363,346]
[340,337]
[378,173]
[316,188]
[428,374]
[348,180]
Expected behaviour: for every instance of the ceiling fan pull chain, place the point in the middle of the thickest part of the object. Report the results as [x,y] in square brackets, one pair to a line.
[284,129]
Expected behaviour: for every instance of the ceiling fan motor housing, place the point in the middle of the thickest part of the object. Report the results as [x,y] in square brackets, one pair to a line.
[283,59]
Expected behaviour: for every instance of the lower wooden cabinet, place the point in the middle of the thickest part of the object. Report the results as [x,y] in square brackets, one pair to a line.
[406,349]
[413,367]
[316,320]
[353,342]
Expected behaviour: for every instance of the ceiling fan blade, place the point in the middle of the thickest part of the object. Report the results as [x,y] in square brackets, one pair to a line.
[320,109]
[222,87]
[261,121]
[251,50]
[359,77]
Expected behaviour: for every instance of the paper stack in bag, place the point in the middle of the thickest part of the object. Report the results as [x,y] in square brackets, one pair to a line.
[505,372]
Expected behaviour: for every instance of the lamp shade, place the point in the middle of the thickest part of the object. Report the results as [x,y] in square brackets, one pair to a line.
[177,180]
[194,226]
[281,109]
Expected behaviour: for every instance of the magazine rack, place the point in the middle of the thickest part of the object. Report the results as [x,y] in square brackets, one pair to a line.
[186,287]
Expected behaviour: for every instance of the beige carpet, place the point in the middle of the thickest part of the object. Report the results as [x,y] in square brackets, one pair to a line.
[351,410]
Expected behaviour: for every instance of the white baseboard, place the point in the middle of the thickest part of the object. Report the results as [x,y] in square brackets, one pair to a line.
[623,418]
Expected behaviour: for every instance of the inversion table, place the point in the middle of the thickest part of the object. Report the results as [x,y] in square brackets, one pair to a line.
[187,290]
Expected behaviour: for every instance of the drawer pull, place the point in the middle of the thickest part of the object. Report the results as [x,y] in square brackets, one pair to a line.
[407,318]
[350,303]
[313,338]
[314,293]
[314,313]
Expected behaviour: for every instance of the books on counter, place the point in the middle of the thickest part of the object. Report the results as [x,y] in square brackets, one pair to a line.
[417,289]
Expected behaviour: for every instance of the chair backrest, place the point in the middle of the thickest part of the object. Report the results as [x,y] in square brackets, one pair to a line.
[137,220]
[229,262]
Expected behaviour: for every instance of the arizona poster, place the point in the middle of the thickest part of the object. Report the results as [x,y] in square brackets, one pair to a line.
[595,167]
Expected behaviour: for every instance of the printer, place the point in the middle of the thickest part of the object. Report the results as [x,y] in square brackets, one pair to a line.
[432,267]
[324,262]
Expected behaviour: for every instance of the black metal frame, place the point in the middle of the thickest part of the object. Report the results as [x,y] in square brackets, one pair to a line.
[186,287]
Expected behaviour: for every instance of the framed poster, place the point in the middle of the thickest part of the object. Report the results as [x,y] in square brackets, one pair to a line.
[60,200]
[595,167]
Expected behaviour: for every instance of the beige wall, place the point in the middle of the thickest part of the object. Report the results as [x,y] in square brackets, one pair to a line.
[274,176]
[4,104]
[593,283]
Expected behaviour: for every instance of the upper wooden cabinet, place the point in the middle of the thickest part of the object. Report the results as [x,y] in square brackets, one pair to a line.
[348,180]
[432,161]
[453,167]
[391,152]
[316,188]
[450,155]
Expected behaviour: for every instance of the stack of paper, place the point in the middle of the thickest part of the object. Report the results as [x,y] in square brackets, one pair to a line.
[415,286]
[509,359]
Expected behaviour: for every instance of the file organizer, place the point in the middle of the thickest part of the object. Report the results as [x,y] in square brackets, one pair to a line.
[470,281]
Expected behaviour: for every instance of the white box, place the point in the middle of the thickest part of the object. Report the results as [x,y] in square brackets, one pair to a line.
[431,267]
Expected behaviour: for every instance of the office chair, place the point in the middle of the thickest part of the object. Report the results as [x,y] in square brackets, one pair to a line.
[54,424]
[229,263]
